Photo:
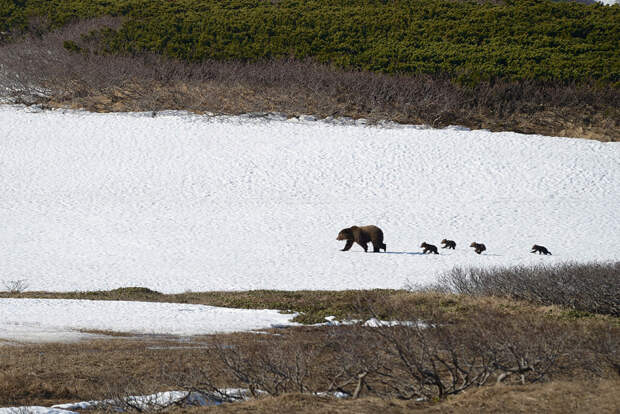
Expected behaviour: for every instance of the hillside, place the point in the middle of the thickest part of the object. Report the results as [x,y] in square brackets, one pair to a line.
[535,66]
[524,39]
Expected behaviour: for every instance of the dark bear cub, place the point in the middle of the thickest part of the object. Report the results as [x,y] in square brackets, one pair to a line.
[362,236]
[429,248]
[478,247]
[540,250]
[448,244]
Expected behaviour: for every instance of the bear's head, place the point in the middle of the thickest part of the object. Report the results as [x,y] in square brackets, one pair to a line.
[345,234]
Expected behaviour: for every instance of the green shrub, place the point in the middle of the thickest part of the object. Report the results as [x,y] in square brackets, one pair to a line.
[520,39]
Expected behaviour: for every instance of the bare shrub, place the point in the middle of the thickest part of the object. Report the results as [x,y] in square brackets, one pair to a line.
[16,286]
[135,394]
[445,358]
[357,357]
[407,360]
[603,343]
[591,287]
[274,368]
[123,402]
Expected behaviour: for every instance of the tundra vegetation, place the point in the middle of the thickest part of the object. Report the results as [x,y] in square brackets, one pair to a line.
[463,344]
[528,66]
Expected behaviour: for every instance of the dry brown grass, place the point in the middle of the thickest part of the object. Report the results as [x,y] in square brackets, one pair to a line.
[557,397]
[55,373]
[451,106]
[46,374]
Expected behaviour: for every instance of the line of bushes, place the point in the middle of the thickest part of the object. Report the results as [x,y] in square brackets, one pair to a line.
[518,39]
[583,287]
[407,361]
[51,69]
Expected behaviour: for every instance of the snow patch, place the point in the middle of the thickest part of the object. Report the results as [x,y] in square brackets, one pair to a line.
[34,410]
[150,402]
[54,320]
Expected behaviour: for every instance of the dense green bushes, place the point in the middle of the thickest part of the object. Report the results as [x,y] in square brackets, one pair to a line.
[521,39]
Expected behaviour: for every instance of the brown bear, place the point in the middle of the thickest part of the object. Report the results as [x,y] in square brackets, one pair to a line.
[429,248]
[362,235]
[478,247]
[540,250]
[450,244]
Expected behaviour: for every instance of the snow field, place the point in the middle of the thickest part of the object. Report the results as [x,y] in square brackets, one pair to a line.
[183,202]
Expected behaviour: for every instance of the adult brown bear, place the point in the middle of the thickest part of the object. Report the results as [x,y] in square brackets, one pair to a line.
[362,235]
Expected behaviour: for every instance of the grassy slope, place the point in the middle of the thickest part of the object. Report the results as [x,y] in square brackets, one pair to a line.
[556,397]
[314,306]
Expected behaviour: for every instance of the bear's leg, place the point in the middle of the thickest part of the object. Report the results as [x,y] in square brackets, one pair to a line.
[364,245]
[347,246]
[376,247]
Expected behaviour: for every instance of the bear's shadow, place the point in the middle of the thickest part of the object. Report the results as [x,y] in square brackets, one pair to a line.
[421,254]
[412,253]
